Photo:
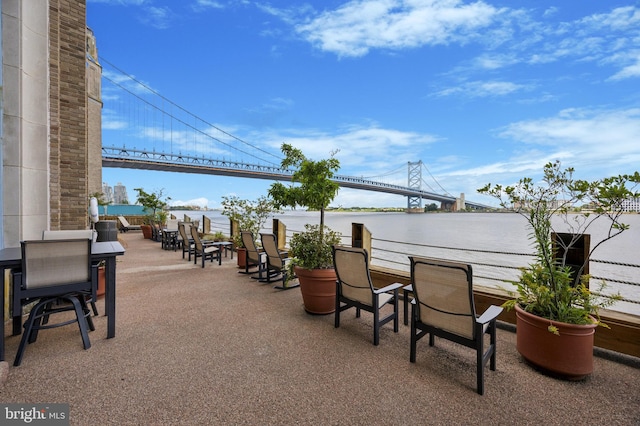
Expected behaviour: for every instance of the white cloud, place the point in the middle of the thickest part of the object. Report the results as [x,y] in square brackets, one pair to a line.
[367,147]
[596,141]
[201,5]
[157,17]
[482,89]
[200,202]
[359,25]
[629,71]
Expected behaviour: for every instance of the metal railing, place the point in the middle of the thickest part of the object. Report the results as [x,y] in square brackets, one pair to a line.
[492,269]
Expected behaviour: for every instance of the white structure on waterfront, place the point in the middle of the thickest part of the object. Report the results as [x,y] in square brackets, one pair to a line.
[631,205]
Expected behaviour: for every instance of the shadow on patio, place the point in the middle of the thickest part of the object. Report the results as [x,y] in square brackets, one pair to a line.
[211,346]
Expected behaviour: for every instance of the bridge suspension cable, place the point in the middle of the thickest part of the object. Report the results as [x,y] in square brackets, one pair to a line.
[394,171]
[164,99]
[436,181]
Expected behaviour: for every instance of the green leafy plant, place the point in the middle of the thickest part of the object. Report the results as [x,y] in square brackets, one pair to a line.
[249,215]
[312,187]
[153,204]
[315,188]
[312,248]
[549,288]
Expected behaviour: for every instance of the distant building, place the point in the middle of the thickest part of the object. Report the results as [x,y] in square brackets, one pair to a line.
[120,194]
[631,205]
[107,192]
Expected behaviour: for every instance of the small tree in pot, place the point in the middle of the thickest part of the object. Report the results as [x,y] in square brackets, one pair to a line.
[248,215]
[313,188]
[154,206]
[550,289]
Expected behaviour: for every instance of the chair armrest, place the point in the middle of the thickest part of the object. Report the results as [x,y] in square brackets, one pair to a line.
[490,314]
[388,288]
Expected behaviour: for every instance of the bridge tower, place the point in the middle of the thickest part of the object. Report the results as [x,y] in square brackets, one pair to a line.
[414,204]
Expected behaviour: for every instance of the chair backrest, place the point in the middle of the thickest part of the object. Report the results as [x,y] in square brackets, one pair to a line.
[71,234]
[172,224]
[124,221]
[271,249]
[48,263]
[250,244]
[183,232]
[196,238]
[443,292]
[352,270]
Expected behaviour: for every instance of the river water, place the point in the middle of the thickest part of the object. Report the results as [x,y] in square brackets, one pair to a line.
[494,243]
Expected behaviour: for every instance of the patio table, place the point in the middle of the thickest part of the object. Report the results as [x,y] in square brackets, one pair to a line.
[106,250]
[226,245]
[170,239]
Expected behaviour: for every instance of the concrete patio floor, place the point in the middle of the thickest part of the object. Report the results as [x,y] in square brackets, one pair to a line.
[212,346]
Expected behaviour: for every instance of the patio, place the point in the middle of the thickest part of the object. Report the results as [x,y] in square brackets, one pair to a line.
[211,346]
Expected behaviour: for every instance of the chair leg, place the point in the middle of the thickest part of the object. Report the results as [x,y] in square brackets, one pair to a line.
[87,313]
[376,323]
[395,312]
[414,339]
[28,327]
[82,322]
[480,370]
[94,308]
[405,301]
[337,314]
[492,364]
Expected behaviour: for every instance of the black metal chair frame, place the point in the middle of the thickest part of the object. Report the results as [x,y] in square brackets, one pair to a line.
[485,324]
[343,303]
[253,255]
[187,240]
[201,249]
[49,299]
[276,263]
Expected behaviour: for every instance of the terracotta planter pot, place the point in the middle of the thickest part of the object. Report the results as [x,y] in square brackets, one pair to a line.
[318,288]
[568,355]
[101,281]
[146,231]
[242,257]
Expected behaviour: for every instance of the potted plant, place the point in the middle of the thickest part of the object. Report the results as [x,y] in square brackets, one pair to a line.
[556,312]
[310,251]
[249,216]
[153,204]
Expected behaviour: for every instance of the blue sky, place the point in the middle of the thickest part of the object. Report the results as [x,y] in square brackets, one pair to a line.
[480,91]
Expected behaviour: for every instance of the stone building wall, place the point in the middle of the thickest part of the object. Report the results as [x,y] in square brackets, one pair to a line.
[69,155]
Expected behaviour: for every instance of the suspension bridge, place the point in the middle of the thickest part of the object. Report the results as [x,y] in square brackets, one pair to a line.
[170,138]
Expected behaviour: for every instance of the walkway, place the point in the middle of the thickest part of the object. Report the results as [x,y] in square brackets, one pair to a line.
[211,346]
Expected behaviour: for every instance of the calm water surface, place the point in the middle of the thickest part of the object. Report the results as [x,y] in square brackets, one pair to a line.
[481,239]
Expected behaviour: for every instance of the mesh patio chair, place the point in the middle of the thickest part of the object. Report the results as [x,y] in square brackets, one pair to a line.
[253,254]
[185,240]
[203,250]
[72,235]
[56,274]
[355,289]
[275,269]
[443,306]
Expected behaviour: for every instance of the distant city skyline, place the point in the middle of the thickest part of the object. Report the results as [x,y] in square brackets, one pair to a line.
[116,194]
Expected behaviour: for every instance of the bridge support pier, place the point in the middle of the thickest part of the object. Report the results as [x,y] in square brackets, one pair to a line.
[414,204]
